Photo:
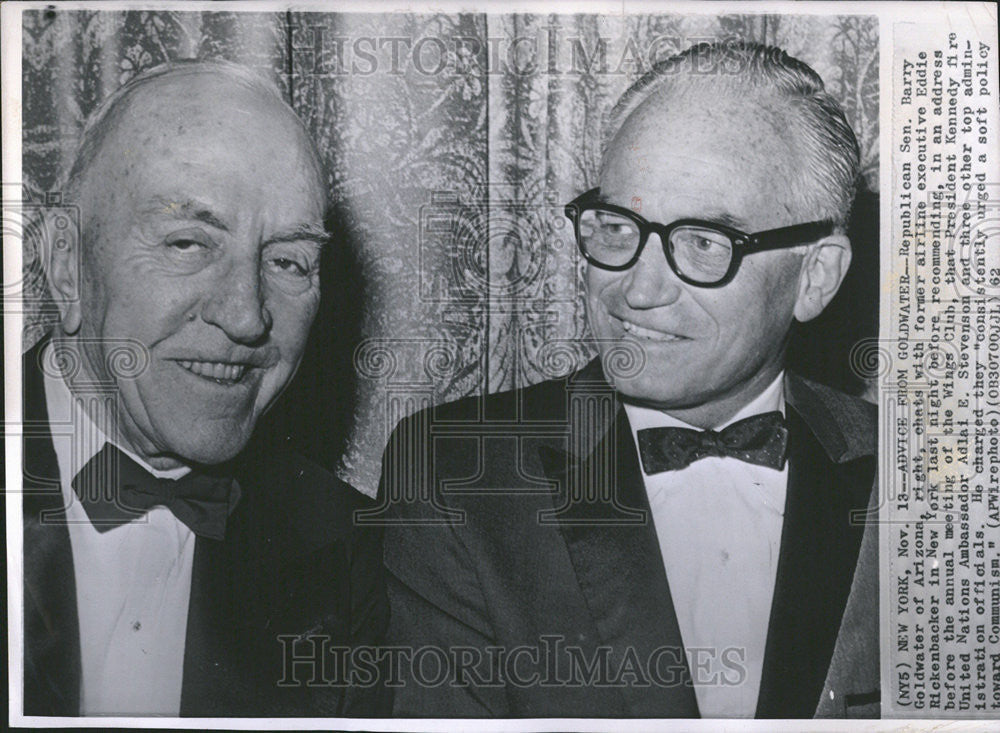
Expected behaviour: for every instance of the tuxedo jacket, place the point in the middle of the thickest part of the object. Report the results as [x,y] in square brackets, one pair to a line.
[292,563]
[519,521]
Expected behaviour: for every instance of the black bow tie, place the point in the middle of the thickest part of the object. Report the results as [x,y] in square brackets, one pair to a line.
[761,439]
[114,490]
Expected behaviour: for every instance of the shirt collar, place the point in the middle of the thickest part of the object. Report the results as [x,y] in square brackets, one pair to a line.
[770,400]
[80,438]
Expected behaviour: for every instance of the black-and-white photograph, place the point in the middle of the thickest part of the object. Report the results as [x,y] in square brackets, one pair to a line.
[468,363]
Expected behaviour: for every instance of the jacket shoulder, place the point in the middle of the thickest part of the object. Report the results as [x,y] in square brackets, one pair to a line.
[845,424]
[545,400]
[304,500]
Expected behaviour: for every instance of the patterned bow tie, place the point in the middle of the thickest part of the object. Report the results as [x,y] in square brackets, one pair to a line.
[761,439]
[200,501]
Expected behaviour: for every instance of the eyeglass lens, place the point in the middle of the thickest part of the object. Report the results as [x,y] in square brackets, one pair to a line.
[699,253]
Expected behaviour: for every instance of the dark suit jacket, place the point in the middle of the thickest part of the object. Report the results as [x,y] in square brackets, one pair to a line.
[520,519]
[292,563]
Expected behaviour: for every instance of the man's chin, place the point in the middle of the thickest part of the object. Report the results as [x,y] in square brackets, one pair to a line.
[641,384]
[210,449]
[647,391]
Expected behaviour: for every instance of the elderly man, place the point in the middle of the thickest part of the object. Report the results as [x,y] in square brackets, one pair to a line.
[163,574]
[678,529]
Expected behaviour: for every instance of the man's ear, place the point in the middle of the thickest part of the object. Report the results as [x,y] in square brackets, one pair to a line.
[823,270]
[61,252]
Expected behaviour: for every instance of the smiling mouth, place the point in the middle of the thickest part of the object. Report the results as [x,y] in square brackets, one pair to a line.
[649,334]
[216,371]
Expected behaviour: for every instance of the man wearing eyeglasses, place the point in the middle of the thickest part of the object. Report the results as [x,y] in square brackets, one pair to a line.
[690,539]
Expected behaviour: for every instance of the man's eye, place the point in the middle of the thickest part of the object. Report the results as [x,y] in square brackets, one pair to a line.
[292,266]
[185,245]
[287,265]
[703,242]
[614,226]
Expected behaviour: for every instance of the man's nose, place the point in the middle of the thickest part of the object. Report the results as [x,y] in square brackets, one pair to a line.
[238,306]
[650,282]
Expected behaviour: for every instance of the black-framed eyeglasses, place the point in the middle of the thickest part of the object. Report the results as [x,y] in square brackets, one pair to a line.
[701,253]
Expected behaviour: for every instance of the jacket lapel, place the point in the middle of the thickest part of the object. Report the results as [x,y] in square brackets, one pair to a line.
[816,564]
[269,577]
[52,667]
[604,516]
[211,679]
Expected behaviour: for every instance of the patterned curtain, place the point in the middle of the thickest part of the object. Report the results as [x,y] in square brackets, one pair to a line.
[451,144]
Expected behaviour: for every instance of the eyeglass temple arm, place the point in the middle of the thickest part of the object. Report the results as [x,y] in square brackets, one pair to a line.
[789,236]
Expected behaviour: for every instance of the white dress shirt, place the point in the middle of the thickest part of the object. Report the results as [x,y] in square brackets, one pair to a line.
[718,522]
[133,582]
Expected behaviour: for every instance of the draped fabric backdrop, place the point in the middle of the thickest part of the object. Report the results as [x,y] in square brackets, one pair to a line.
[451,144]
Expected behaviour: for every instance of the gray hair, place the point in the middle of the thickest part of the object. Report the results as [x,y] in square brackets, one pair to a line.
[109,112]
[832,157]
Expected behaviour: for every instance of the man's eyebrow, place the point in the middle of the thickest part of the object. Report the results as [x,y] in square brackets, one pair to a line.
[721,217]
[302,233]
[190,210]
[715,217]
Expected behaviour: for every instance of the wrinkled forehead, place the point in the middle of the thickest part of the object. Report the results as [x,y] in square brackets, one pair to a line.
[166,118]
[744,142]
[711,115]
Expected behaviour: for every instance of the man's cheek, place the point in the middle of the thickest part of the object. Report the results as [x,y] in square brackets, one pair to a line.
[292,335]
[600,323]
